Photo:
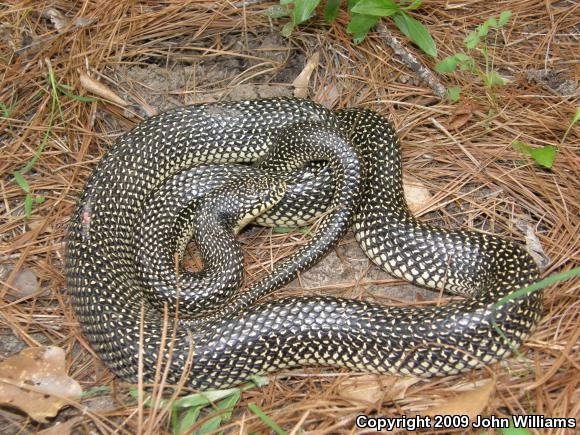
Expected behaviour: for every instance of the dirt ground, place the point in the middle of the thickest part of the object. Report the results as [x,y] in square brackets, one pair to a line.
[155,56]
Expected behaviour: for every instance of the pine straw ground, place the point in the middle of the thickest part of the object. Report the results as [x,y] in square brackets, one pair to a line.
[478,180]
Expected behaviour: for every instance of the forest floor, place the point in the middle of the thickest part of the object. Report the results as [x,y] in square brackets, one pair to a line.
[153,56]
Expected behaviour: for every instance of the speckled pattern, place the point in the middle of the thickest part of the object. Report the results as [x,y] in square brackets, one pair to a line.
[243,337]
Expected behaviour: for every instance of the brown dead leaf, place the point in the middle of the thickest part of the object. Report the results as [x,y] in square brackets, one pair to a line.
[97,88]
[300,83]
[371,389]
[25,283]
[462,113]
[470,403]
[58,20]
[35,381]
[416,193]
[61,428]
[40,224]
[533,245]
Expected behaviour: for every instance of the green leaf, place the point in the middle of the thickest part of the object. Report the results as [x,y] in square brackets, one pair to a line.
[28,205]
[303,10]
[544,156]
[282,230]
[504,17]
[228,405]
[266,419]
[416,4]
[522,147]
[483,29]
[360,25]
[21,181]
[513,430]
[331,10]
[416,32]
[225,405]
[377,8]
[6,111]
[287,29]
[493,79]
[277,11]
[39,199]
[258,381]
[449,64]
[204,398]
[187,420]
[453,94]
[468,64]
[471,40]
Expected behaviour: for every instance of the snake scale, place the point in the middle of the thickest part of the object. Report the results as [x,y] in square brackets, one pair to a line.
[227,343]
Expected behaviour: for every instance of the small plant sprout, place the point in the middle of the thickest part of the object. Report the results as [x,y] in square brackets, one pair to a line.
[54,90]
[364,14]
[218,405]
[475,41]
[545,156]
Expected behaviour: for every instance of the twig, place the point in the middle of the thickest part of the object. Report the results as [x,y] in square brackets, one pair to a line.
[412,62]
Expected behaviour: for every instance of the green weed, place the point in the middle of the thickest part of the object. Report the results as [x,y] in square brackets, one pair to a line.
[55,90]
[364,14]
[545,155]
[475,42]
[186,410]
[266,419]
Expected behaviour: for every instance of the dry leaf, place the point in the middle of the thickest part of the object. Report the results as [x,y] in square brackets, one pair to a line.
[416,194]
[97,88]
[58,20]
[61,428]
[470,403]
[300,83]
[38,223]
[371,389]
[463,113]
[35,381]
[328,96]
[534,246]
[25,283]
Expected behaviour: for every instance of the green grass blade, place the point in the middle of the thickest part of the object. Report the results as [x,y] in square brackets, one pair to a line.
[226,405]
[574,121]
[266,419]
[538,286]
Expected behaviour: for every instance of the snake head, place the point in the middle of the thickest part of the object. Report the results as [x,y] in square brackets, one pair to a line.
[256,196]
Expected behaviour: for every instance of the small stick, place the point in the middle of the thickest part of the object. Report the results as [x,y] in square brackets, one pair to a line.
[412,62]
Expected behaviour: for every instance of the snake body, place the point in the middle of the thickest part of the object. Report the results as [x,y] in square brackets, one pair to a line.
[228,343]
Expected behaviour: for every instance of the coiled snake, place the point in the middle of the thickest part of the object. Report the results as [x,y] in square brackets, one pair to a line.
[224,344]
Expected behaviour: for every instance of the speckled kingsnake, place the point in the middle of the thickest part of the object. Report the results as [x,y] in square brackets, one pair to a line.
[242,337]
